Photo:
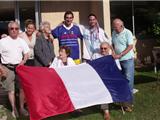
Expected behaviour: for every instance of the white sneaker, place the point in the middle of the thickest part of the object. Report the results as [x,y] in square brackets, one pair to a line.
[135,91]
[14,115]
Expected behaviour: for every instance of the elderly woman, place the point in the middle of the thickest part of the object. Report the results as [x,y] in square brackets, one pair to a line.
[63,59]
[44,49]
[30,38]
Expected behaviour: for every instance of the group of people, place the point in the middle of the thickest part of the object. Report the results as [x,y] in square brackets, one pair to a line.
[36,48]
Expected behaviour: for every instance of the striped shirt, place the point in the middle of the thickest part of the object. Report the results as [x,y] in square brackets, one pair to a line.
[68,36]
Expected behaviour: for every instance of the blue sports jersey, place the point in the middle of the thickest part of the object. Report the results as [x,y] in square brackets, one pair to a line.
[69,37]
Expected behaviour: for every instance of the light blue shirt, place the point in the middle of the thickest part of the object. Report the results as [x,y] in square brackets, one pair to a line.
[121,41]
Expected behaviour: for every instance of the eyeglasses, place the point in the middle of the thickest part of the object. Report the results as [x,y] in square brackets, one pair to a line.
[12,28]
[103,48]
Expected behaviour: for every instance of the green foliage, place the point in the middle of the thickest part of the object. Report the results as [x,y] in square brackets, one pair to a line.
[5,114]
[156,29]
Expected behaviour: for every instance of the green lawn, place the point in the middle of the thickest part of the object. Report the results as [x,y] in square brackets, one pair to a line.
[146,103]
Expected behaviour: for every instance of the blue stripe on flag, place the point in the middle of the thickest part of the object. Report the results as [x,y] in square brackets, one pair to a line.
[115,82]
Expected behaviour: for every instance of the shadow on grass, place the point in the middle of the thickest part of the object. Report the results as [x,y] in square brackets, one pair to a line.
[140,79]
[115,106]
[146,68]
[75,114]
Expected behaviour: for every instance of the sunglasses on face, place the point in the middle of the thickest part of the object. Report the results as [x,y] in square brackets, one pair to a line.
[12,28]
[103,48]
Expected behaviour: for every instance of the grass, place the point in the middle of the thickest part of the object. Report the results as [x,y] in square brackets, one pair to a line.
[146,102]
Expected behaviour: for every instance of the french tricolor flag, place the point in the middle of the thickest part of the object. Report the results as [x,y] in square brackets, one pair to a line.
[56,91]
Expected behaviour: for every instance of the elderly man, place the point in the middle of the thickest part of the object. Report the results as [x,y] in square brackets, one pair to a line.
[13,51]
[105,50]
[122,39]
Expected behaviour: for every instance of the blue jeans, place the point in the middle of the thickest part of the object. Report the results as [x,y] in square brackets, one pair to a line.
[128,71]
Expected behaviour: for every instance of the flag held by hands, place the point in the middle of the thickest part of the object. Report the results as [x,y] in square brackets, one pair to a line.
[56,91]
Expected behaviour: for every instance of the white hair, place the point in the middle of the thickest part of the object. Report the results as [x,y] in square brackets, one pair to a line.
[104,43]
[13,22]
[43,24]
[117,20]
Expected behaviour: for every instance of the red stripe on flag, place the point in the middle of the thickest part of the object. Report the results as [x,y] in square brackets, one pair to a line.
[46,94]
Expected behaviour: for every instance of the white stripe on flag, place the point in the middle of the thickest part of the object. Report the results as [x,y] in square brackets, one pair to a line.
[84,85]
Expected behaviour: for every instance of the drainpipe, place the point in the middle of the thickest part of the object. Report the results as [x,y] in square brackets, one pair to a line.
[16,12]
[37,13]
[133,23]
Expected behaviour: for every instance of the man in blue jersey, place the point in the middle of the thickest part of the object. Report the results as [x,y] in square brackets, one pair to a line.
[68,34]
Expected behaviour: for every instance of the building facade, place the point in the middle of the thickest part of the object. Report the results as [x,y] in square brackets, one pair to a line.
[53,12]
[138,16]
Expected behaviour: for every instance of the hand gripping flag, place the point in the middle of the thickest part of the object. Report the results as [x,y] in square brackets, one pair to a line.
[56,91]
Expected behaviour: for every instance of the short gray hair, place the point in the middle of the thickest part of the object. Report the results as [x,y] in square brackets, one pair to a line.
[13,22]
[43,24]
[104,43]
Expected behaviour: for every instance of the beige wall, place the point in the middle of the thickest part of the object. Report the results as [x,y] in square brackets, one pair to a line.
[106,16]
[53,11]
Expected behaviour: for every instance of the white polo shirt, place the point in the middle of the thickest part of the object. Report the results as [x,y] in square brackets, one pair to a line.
[12,50]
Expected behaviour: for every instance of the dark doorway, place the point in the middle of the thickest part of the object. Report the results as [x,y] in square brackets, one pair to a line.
[7,14]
